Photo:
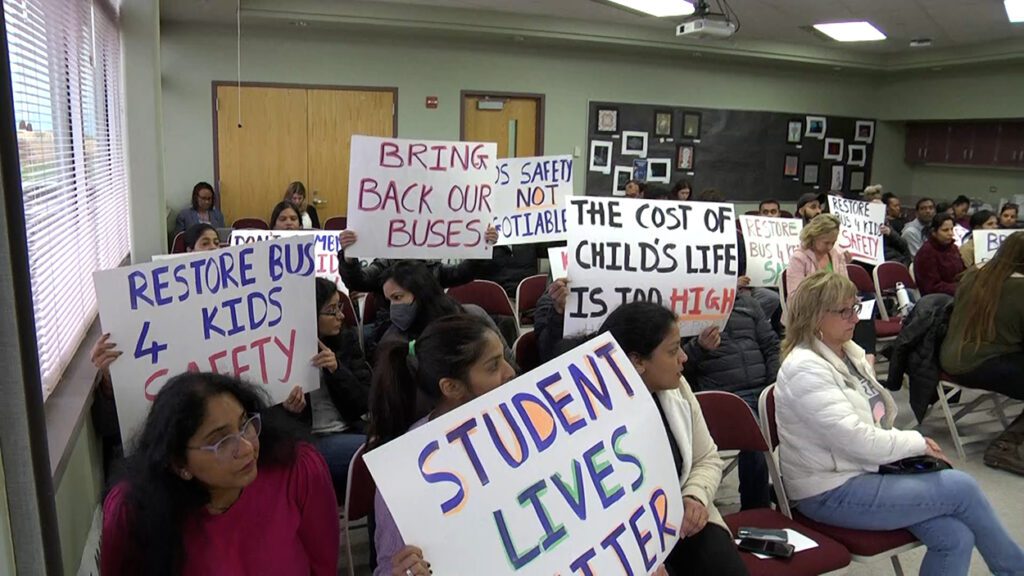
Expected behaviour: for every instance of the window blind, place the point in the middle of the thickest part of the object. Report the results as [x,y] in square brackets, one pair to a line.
[66,75]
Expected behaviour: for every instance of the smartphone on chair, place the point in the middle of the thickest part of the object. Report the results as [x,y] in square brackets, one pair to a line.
[767,547]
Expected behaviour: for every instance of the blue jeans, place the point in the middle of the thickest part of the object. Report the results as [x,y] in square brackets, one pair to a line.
[945,510]
[338,450]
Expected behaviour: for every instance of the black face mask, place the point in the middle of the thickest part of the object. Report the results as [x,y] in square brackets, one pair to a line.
[403,315]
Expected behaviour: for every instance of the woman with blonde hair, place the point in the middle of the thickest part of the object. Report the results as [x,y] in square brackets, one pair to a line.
[835,425]
[873,193]
[296,194]
[984,347]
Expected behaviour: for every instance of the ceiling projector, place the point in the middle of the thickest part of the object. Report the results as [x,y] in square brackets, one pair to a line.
[706,27]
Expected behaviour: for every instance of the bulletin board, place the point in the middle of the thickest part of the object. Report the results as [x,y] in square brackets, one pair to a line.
[747,155]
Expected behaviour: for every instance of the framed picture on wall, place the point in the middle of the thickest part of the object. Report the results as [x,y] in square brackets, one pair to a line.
[634,143]
[640,170]
[858,155]
[601,156]
[811,176]
[622,175]
[659,170]
[795,133]
[684,157]
[691,125]
[662,122]
[865,131]
[857,181]
[833,149]
[607,120]
[838,171]
[792,166]
[816,127]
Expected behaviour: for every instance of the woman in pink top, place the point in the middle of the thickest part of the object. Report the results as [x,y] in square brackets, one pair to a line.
[216,486]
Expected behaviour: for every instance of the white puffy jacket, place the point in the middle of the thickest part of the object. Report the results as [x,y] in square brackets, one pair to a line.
[826,432]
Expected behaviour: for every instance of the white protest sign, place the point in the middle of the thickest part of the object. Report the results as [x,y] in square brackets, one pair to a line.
[987,242]
[325,248]
[420,198]
[565,470]
[679,254]
[769,244]
[559,258]
[860,233]
[528,199]
[248,311]
[959,233]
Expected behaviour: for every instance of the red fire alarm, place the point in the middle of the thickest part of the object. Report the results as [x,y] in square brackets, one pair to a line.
[431,102]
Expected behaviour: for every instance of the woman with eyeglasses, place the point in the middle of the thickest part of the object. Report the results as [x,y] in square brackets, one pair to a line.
[202,210]
[835,424]
[217,485]
[201,238]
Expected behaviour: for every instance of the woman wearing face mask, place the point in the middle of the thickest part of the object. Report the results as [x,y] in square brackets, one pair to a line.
[296,194]
[216,485]
[202,210]
[201,238]
[938,265]
[285,217]
[455,359]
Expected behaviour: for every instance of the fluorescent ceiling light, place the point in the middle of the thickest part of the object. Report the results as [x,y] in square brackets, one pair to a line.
[851,31]
[1015,10]
[659,8]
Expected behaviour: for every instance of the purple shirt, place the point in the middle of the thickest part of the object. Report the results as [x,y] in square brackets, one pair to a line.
[387,539]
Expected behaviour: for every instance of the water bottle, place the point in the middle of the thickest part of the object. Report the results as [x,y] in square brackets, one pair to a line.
[903,304]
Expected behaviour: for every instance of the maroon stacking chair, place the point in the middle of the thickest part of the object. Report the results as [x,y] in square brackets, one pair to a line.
[369,308]
[335,223]
[885,329]
[886,275]
[488,295]
[178,246]
[528,293]
[351,320]
[733,427]
[360,490]
[250,224]
[865,546]
[526,352]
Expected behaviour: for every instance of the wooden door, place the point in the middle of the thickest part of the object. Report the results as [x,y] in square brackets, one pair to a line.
[334,116]
[257,160]
[516,127]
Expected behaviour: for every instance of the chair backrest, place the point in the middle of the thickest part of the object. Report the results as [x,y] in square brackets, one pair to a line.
[860,277]
[785,214]
[528,293]
[770,431]
[752,213]
[360,488]
[526,351]
[486,294]
[250,224]
[178,246]
[351,320]
[731,422]
[336,223]
[886,275]
[369,309]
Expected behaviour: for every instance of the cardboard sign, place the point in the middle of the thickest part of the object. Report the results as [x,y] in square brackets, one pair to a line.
[565,470]
[987,243]
[326,246]
[248,311]
[959,233]
[769,244]
[860,233]
[420,199]
[679,254]
[559,258]
[529,194]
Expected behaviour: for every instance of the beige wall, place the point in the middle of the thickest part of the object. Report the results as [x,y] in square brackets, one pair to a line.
[78,495]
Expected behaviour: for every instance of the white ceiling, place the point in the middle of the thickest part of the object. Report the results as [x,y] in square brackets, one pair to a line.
[949,23]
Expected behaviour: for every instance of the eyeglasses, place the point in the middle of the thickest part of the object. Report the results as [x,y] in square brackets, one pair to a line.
[332,311]
[849,313]
[227,447]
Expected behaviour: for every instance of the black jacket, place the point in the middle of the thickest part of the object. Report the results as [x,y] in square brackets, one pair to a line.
[349,385]
[509,265]
[314,218]
[547,323]
[896,248]
[916,351]
[746,361]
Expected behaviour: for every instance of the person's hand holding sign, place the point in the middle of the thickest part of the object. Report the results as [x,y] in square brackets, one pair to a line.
[409,562]
[848,256]
[695,516]
[103,355]
[492,235]
[743,281]
[559,291]
[325,360]
[296,401]
[710,338]
[346,239]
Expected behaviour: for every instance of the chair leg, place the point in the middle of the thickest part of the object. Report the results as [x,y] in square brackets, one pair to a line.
[951,422]
[896,566]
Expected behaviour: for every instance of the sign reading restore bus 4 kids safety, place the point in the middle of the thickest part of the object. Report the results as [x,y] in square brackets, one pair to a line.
[769,243]
[420,198]
[679,254]
[245,311]
[860,233]
[565,470]
[529,196]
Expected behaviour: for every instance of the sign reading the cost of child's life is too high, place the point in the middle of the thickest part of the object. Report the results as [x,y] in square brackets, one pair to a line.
[987,243]
[769,243]
[244,311]
[325,248]
[564,470]
[860,233]
[681,255]
[420,198]
[529,194]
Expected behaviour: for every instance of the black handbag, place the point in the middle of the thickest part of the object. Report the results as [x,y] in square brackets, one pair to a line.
[915,465]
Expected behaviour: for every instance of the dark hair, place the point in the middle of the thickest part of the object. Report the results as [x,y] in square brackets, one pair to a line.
[942,207]
[324,290]
[922,201]
[768,201]
[656,192]
[1009,206]
[408,373]
[281,207]
[979,218]
[193,234]
[432,302]
[961,199]
[639,327]
[198,188]
[939,220]
[681,185]
[156,499]
[888,196]
[641,186]
[710,195]
[981,302]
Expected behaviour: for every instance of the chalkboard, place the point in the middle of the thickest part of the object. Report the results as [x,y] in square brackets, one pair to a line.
[741,153]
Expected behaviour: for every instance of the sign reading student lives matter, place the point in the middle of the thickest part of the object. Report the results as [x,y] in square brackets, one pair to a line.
[564,470]
[420,198]
[769,243]
[987,243]
[860,233]
[244,311]
[529,194]
[679,254]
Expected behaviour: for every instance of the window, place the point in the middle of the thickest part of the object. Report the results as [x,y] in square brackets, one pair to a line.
[66,76]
